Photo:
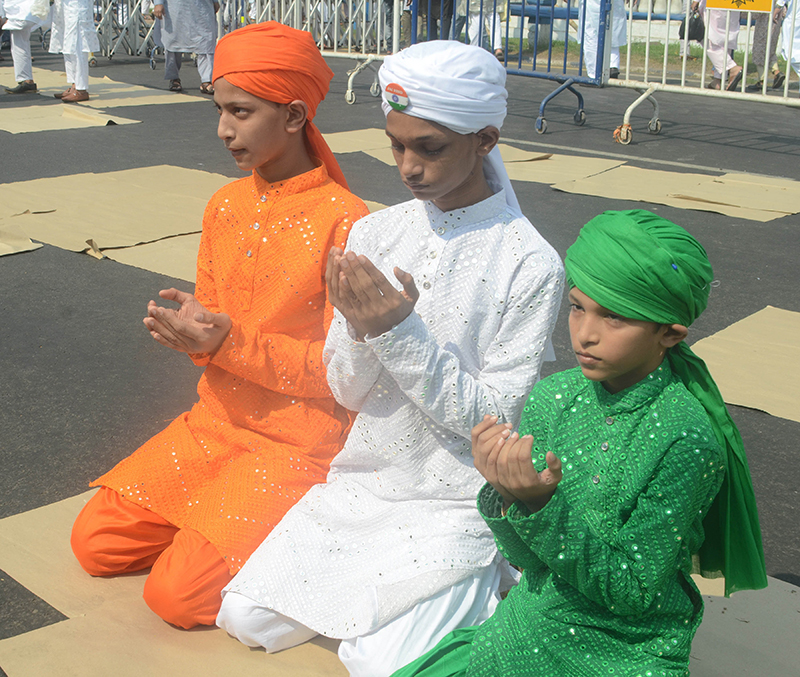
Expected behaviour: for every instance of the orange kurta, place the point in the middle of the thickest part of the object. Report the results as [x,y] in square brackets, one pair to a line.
[266,426]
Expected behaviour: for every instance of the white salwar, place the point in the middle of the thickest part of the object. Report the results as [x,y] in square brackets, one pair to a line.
[589,27]
[22,18]
[396,522]
[73,35]
[718,48]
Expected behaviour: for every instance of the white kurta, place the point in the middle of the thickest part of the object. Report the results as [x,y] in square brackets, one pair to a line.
[21,14]
[188,26]
[397,521]
[73,29]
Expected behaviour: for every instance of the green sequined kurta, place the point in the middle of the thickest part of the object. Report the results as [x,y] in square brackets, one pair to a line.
[606,587]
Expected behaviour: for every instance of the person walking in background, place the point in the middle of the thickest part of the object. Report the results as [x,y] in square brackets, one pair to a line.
[73,35]
[720,44]
[762,56]
[20,18]
[188,26]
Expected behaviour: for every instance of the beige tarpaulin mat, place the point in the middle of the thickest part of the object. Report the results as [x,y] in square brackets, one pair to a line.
[104,92]
[754,362]
[550,168]
[174,256]
[111,630]
[738,195]
[115,209]
[357,140]
[23,119]
[13,240]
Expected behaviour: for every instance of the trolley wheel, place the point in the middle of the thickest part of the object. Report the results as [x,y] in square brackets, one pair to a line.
[350,97]
[580,117]
[654,126]
[375,89]
[46,44]
[541,125]
[152,64]
[93,62]
[623,135]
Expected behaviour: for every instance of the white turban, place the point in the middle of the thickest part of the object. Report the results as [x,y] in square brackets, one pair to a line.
[461,87]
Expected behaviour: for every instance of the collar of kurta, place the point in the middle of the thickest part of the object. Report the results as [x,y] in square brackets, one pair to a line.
[297,184]
[635,397]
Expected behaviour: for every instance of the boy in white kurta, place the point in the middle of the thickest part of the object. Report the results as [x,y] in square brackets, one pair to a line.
[390,553]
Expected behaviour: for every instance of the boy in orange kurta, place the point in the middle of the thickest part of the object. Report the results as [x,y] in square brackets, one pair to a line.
[199,497]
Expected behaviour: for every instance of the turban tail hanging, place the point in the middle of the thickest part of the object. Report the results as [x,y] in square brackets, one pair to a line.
[642,266]
[280,64]
[461,87]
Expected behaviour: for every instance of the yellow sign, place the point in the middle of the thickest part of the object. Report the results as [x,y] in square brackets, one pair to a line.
[743,5]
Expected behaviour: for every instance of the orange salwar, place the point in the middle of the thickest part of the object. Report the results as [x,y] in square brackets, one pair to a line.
[113,536]
[266,426]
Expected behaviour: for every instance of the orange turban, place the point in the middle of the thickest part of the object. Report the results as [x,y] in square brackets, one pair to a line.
[279,64]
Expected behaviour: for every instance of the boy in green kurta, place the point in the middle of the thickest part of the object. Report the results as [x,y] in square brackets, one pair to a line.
[642,478]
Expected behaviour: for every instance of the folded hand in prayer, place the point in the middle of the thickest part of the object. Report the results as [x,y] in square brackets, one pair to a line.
[368,301]
[189,329]
[504,459]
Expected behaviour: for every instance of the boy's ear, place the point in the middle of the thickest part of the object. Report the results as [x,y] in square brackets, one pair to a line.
[673,334]
[296,116]
[487,140]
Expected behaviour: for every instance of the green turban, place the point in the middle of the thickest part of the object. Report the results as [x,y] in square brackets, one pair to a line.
[641,266]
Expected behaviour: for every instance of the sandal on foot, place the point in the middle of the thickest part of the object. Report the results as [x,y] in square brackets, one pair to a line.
[206,88]
[780,78]
[175,86]
[734,81]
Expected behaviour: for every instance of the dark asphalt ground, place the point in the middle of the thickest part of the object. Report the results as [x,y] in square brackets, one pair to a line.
[82,384]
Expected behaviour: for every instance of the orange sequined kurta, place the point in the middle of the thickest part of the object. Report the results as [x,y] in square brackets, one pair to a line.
[266,426]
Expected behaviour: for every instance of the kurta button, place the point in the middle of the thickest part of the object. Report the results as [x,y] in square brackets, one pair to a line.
[263,198]
[426,285]
[433,255]
[441,230]
[596,479]
[609,420]
[256,226]
[604,446]
[249,253]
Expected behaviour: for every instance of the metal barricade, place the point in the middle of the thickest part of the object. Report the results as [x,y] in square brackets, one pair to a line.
[559,40]
[122,27]
[572,42]
[725,30]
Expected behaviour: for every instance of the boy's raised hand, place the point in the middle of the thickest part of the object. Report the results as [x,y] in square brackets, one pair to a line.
[375,304]
[488,437]
[504,459]
[337,299]
[516,473]
[191,328]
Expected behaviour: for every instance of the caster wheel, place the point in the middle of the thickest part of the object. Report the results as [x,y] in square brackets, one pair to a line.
[92,62]
[350,97]
[625,136]
[541,125]
[654,126]
[580,117]
[375,89]
[152,64]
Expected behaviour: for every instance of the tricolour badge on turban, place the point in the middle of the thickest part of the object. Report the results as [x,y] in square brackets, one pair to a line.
[396,96]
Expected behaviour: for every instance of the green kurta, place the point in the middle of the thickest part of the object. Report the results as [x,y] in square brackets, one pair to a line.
[606,587]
